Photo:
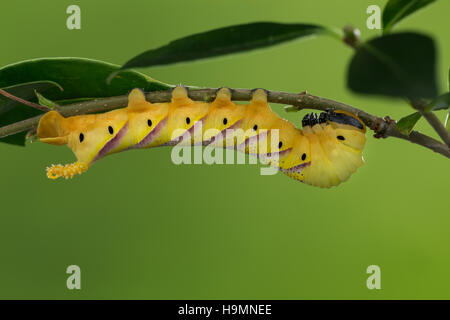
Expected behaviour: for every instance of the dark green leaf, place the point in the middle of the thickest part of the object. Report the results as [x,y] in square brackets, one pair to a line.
[12,111]
[223,41]
[11,117]
[406,124]
[80,78]
[398,65]
[443,101]
[26,92]
[440,103]
[396,10]
[17,139]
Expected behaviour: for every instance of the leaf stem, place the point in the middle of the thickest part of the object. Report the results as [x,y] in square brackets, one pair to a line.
[25,102]
[383,128]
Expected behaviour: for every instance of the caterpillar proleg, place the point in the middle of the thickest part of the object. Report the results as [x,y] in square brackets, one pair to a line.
[324,153]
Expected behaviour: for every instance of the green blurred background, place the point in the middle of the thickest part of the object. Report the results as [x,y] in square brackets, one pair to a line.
[141,227]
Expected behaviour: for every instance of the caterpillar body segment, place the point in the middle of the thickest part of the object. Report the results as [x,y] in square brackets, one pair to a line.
[324,153]
[183,114]
[147,122]
[224,117]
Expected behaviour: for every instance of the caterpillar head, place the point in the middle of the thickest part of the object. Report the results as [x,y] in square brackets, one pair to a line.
[147,121]
[90,137]
[336,142]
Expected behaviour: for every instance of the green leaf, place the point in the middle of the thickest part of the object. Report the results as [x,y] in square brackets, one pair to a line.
[443,101]
[398,65]
[406,124]
[80,78]
[43,101]
[26,92]
[440,103]
[396,10]
[223,41]
[12,111]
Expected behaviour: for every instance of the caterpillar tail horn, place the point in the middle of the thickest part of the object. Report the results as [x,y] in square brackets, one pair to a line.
[67,171]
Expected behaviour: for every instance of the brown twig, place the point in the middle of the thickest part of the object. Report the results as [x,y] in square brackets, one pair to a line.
[437,125]
[383,128]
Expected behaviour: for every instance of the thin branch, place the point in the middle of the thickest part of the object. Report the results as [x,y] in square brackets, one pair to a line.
[437,125]
[25,102]
[383,128]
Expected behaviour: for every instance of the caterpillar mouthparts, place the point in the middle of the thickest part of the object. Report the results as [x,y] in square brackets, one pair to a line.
[324,152]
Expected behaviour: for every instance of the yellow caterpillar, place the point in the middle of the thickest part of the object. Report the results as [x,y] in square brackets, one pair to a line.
[324,153]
